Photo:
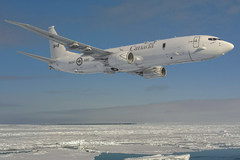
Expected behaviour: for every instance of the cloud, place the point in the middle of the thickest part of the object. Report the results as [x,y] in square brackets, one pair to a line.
[141,10]
[59,92]
[13,78]
[156,88]
[188,111]
[8,105]
[81,92]
[180,111]
[7,78]
[234,9]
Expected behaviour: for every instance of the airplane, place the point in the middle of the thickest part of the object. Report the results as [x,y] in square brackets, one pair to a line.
[145,59]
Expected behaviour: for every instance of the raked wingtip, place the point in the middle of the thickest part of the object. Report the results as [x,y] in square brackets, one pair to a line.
[15,23]
[8,21]
[11,22]
[19,51]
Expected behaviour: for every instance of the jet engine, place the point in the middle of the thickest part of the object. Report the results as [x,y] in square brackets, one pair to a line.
[154,72]
[121,61]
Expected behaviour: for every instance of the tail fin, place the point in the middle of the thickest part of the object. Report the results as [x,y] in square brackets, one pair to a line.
[57,50]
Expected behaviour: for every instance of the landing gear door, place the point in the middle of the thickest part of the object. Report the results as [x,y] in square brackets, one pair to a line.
[196,42]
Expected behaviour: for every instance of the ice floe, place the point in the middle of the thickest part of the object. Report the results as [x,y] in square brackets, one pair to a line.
[150,139]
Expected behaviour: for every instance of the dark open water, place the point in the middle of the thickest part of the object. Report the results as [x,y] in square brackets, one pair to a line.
[117,156]
[226,154]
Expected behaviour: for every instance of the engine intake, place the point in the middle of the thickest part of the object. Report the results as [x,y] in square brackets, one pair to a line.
[154,72]
[122,60]
[130,58]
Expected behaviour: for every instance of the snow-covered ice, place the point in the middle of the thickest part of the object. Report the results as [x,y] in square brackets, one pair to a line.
[88,141]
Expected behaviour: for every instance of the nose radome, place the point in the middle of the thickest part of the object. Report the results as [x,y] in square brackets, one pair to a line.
[228,47]
[231,46]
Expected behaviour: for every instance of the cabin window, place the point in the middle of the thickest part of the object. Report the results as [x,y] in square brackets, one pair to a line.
[164,46]
[213,39]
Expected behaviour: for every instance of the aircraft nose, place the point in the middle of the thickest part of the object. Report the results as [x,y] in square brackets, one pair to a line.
[228,47]
[231,46]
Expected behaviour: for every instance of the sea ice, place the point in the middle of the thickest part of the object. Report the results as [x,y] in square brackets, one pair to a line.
[34,141]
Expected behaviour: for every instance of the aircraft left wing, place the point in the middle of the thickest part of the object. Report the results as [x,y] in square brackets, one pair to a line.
[71,44]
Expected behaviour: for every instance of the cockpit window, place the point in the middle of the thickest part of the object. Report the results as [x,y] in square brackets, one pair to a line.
[213,39]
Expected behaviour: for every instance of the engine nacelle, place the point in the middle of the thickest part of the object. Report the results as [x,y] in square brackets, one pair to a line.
[122,60]
[154,72]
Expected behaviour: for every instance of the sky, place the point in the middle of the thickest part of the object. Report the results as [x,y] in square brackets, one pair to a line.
[28,87]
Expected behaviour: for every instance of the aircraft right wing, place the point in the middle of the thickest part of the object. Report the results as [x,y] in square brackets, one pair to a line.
[71,44]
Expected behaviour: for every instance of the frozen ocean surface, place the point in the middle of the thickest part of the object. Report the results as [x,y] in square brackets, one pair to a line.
[18,142]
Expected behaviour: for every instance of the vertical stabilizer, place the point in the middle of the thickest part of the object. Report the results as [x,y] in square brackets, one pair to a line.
[57,50]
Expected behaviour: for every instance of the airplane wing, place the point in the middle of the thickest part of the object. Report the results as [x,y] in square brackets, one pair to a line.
[71,44]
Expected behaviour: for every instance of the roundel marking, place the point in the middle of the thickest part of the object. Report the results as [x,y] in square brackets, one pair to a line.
[79,61]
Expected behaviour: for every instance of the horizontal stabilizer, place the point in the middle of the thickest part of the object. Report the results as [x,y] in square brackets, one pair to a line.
[44,59]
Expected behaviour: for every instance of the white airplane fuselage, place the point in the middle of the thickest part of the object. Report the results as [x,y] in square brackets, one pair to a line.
[144,59]
[156,53]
